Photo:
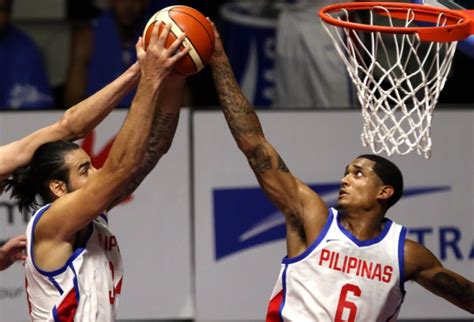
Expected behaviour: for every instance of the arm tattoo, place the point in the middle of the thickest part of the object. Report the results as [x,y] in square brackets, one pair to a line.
[238,112]
[162,133]
[449,285]
[281,165]
[260,161]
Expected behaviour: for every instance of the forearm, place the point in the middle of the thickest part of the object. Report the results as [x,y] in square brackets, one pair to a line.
[18,153]
[164,126]
[165,120]
[241,118]
[454,288]
[75,123]
[86,115]
[129,146]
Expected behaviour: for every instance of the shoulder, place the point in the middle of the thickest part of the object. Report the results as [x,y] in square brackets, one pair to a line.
[417,259]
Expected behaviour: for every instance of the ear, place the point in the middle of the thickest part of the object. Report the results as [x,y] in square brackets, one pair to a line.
[58,188]
[385,192]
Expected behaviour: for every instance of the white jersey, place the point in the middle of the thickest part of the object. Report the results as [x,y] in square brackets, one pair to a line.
[86,288]
[340,278]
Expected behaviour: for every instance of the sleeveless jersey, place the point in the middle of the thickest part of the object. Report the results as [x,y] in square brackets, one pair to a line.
[86,288]
[341,278]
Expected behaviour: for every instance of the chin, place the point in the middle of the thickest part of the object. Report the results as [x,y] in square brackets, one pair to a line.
[339,205]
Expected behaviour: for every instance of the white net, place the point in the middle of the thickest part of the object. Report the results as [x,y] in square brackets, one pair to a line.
[398,79]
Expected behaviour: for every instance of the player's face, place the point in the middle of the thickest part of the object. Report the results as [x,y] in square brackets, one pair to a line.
[80,167]
[360,186]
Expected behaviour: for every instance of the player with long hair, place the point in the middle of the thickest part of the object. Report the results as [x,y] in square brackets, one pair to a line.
[74,267]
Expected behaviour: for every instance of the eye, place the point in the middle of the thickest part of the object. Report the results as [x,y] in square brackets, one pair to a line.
[359,173]
[84,171]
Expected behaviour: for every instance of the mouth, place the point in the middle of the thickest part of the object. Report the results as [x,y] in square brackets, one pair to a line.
[342,193]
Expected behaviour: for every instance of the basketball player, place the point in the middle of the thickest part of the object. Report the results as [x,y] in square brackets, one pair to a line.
[344,264]
[76,122]
[12,251]
[74,268]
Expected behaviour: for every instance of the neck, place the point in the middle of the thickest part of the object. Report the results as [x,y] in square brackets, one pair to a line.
[364,225]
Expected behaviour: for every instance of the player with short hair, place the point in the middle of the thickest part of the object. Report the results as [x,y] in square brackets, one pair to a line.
[74,267]
[347,263]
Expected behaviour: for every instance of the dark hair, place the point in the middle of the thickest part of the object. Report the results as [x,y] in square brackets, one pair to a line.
[389,173]
[32,180]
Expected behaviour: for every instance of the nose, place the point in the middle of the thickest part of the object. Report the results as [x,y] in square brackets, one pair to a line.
[345,181]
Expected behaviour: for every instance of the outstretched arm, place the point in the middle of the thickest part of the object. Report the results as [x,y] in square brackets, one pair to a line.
[12,251]
[75,123]
[56,231]
[164,125]
[304,210]
[425,269]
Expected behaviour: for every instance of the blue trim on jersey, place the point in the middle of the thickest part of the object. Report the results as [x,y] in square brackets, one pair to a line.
[315,244]
[76,289]
[283,285]
[401,258]
[55,314]
[37,215]
[75,282]
[73,256]
[56,285]
[103,216]
[368,242]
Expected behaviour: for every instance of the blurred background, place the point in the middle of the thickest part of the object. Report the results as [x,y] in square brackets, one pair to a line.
[54,53]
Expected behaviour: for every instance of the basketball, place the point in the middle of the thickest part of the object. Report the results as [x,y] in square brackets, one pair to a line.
[199,36]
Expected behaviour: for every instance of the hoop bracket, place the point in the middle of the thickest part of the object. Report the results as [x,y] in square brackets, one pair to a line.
[459,24]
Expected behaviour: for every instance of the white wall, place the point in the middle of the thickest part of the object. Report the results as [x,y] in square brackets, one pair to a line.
[155,229]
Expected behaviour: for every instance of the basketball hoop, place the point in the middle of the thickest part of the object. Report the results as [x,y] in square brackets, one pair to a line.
[399,61]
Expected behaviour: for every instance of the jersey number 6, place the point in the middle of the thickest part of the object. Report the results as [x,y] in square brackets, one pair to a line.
[345,304]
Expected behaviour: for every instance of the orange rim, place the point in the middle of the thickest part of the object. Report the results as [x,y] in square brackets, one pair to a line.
[453,31]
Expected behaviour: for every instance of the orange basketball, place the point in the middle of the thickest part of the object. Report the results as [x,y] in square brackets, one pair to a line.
[199,36]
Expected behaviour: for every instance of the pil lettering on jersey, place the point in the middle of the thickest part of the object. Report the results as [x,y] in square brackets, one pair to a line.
[355,266]
[108,242]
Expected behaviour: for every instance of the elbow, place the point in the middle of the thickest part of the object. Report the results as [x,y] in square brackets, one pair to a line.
[66,124]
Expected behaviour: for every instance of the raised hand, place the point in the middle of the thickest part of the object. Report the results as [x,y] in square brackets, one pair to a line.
[157,62]
[218,54]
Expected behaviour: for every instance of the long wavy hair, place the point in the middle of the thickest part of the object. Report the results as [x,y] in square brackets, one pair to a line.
[32,181]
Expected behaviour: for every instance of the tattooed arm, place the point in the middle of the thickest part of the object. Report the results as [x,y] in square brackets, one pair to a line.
[164,125]
[304,210]
[424,268]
